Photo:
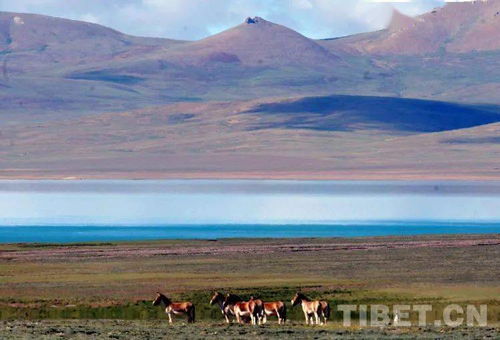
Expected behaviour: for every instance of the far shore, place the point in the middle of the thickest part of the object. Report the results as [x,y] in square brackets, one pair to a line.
[340,175]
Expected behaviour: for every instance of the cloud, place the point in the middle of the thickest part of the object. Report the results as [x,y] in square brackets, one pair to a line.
[195,19]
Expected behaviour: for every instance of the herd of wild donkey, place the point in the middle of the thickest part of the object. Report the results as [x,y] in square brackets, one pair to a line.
[254,310]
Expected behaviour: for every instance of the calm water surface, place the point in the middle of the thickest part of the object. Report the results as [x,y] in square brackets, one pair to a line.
[109,233]
[76,211]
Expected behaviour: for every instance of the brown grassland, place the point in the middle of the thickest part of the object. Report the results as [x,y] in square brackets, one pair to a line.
[88,290]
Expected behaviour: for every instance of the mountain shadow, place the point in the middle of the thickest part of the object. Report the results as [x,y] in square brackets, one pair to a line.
[347,113]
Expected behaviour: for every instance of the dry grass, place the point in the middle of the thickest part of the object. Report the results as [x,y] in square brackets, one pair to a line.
[423,266]
[116,281]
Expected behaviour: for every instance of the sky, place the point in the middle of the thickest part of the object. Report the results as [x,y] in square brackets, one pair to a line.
[196,19]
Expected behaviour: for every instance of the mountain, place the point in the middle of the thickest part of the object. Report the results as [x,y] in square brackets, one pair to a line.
[53,65]
[418,99]
[32,42]
[458,27]
[254,50]
[256,42]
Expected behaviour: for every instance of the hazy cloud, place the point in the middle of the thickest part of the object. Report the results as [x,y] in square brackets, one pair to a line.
[195,19]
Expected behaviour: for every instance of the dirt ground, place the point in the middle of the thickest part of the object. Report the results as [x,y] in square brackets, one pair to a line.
[119,329]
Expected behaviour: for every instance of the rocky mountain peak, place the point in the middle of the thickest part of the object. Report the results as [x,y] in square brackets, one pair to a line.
[254,20]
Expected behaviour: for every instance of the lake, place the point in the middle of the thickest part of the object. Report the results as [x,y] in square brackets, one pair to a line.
[112,210]
[112,233]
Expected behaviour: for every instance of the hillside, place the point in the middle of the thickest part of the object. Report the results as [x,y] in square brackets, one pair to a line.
[258,42]
[458,27]
[320,137]
[30,42]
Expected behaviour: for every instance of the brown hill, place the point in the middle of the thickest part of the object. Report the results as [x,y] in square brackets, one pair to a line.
[457,27]
[59,67]
[29,41]
[256,42]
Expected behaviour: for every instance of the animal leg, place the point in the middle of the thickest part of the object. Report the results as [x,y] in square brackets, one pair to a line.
[170,318]
[191,316]
[316,317]
[307,318]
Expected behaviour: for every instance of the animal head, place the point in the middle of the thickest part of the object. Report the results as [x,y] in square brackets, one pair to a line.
[297,299]
[158,299]
[230,299]
[216,297]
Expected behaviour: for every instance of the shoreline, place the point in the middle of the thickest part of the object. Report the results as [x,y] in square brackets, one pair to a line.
[166,247]
[344,175]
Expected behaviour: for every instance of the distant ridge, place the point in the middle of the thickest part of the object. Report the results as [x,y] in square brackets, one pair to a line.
[458,27]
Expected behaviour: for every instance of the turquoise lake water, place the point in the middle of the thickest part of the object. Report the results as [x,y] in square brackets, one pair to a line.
[119,210]
[110,233]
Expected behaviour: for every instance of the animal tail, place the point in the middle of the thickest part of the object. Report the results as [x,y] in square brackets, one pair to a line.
[327,311]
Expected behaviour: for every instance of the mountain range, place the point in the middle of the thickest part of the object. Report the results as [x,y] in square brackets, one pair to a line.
[460,27]
[418,99]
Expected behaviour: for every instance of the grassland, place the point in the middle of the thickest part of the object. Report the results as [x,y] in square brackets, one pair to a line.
[117,281]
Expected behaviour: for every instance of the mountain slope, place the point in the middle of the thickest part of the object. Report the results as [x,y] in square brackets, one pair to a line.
[392,115]
[458,27]
[33,42]
[310,137]
[256,42]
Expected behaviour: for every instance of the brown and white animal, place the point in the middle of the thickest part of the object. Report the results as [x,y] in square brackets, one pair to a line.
[225,303]
[277,308]
[175,308]
[320,310]
[253,308]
